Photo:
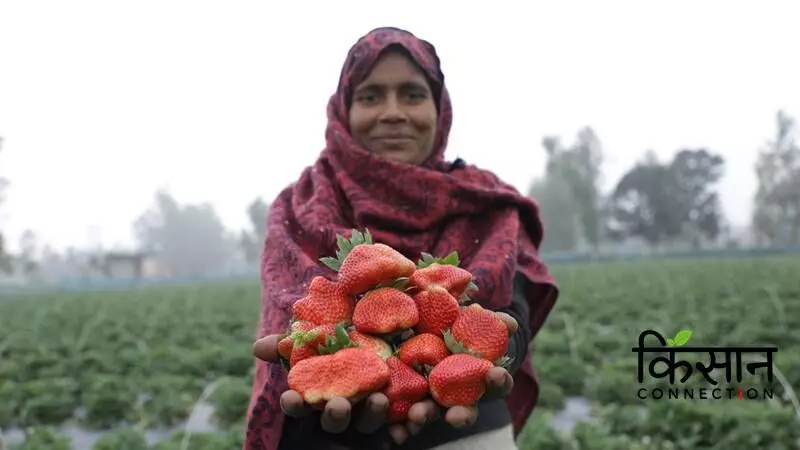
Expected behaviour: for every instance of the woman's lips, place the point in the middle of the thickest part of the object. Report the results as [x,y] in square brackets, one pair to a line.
[394,140]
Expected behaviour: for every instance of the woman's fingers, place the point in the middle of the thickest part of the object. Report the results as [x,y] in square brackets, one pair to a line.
[499,381]
[423,412]
[336,416]
[293,405]
[461,416]
[399,433]
[371,414]
[266,348]
[420,414]
[511,323]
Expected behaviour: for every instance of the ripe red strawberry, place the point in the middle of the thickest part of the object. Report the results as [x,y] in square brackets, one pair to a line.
[398,410]
[424,349]
[459,379]
[306,344]
[285,346]
[364,265]
[437,310]
[348,373]
[325,302]
[385,310]
[479,332]
[405,388]
[300,353]
[453,278]
[374,343]
[286,342]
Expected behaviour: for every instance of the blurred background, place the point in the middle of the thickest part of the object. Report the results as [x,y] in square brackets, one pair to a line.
[141,146]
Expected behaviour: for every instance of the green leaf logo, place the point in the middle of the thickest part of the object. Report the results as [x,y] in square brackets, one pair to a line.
[680,339]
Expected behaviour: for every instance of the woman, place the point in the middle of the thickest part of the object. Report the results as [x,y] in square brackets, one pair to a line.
[383,168]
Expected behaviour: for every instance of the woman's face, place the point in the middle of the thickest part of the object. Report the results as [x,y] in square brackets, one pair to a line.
[393,114]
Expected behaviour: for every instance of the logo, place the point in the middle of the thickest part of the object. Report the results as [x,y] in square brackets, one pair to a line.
[661,367]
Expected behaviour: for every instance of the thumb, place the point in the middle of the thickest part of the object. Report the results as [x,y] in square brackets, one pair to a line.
[266,348]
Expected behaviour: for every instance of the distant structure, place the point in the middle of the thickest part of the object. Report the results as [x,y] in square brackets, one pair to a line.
[121,265]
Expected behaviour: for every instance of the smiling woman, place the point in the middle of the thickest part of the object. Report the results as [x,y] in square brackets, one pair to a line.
[393,113]
[383,169]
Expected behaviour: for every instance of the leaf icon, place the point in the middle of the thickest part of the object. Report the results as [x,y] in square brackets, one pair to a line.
[681,339]
[670,342]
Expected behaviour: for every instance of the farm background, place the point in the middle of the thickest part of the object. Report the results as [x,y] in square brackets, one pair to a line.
[168,366]
[149,347]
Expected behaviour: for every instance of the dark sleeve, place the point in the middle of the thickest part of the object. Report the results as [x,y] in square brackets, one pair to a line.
[520,311]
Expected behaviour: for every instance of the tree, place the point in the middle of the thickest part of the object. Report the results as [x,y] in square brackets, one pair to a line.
[188,240]
[660,202]
[640,206]
[252,241]
[558,210]
[776,211]
[580,167]
[694,174]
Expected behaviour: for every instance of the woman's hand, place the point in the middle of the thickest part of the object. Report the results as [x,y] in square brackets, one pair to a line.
[339,412]
[368,416]
[498,383]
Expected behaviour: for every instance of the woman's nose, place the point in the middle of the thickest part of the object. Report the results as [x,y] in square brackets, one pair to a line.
[393,110]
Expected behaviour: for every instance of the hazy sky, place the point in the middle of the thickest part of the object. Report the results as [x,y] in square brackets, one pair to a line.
[101,102]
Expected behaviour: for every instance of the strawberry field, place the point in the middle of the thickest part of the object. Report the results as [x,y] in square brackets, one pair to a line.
[138,367]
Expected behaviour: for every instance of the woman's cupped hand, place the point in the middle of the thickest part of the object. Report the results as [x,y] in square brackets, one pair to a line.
[369,414]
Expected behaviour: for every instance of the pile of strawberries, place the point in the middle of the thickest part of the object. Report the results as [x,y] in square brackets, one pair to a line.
[389,325]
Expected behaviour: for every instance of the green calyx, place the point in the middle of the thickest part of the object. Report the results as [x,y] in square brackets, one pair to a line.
[401,284]
[427,259]
[345,246]
[456,347]
[423,369]
[340,340]
[504,362]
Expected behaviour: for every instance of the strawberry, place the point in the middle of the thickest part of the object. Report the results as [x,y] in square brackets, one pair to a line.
[300,353]
[285,346]
[348,373]
[437,310]
[325,302]
[424,349]
[398,410]
[303,325]
[385,310]
[479,332]
[376,344]
[363,265]
[405,388]
[286,342]
[451,277]
[459,379]
[321,339]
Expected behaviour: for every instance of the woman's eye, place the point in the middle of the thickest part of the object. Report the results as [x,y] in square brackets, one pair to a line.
[367,98]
